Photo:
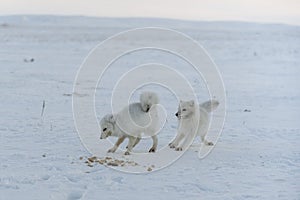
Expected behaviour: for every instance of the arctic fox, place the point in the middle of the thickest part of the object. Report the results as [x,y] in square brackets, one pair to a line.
[132,121]
[191,116]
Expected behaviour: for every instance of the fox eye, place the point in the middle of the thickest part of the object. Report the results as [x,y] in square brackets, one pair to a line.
[184,109]
[104,129]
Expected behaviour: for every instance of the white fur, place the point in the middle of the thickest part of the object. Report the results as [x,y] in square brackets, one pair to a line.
[191,116]
[147,99]
[132,121]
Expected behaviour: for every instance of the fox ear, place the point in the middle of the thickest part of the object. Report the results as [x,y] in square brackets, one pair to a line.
[111,118]
[192,103]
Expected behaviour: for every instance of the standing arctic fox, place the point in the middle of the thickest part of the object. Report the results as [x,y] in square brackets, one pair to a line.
[191,116]
[132,121]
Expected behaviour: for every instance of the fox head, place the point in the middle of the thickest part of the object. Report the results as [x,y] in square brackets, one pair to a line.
[107,124]
[185,109]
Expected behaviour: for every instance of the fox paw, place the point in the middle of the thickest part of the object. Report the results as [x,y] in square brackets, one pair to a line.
[111,151]
[178,149]
[152,150]
[209,143]
[171,145]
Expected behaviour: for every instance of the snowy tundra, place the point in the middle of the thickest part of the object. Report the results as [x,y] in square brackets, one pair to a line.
[256,157]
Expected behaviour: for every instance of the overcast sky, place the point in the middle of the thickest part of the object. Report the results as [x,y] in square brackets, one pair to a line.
[275,11]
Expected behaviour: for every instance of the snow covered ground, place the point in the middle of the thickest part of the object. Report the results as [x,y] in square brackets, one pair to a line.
[257,156]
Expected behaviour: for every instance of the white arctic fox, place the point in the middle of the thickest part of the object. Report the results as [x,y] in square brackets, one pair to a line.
[132,121]
[191,116]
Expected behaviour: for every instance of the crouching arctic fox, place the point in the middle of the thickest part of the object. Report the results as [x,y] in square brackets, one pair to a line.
[190,116]
[132,121]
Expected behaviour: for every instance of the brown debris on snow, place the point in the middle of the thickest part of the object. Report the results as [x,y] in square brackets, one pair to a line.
[108,161]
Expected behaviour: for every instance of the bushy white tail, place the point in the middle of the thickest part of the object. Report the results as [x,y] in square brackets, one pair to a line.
[209,106]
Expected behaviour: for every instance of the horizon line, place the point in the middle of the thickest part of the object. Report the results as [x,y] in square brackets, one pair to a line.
[155,18]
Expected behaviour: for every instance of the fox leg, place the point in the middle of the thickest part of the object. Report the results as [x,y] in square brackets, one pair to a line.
[130,144]
[206,142]
[155,142]
[187,141]
[176,141]
[115,147]
[136,141]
